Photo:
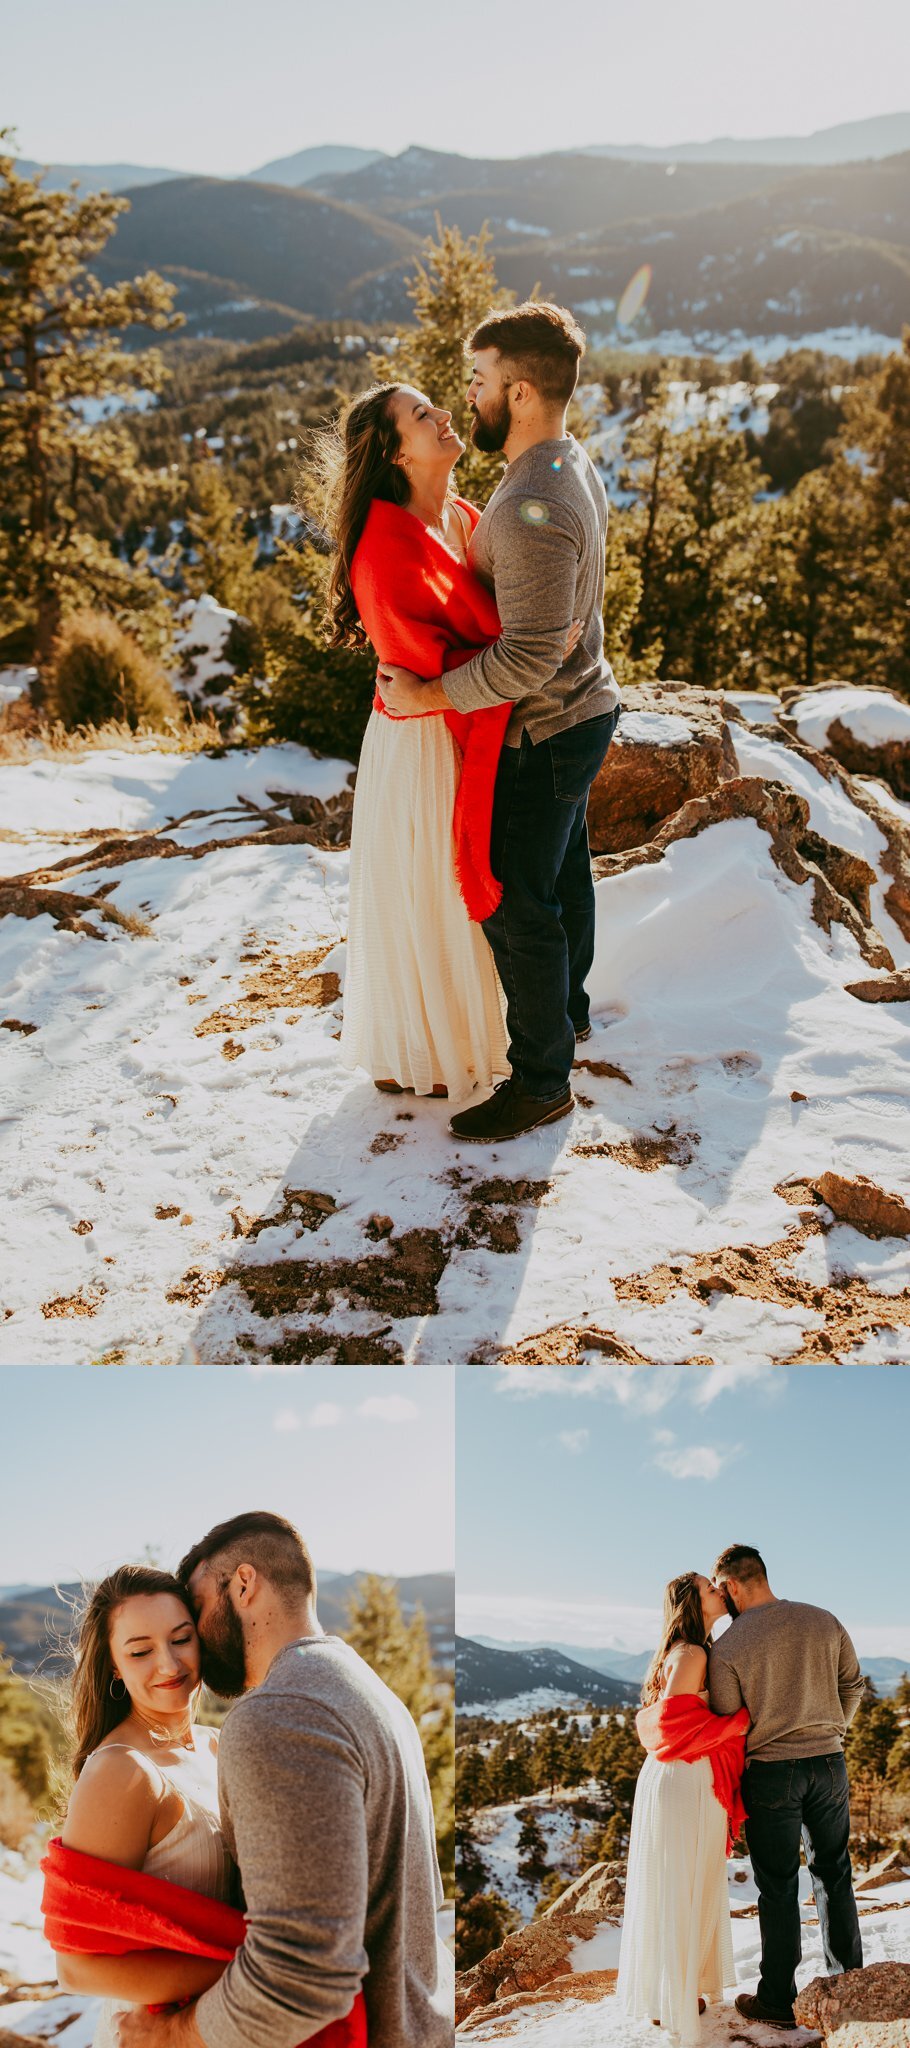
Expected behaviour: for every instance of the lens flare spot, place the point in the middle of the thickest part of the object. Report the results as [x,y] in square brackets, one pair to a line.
[557,462]
[533,512]
[634,296]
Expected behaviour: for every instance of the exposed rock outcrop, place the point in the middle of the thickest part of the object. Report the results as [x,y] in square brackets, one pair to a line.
[859,752]
[535,1956]
[671,744]
[841,881]
[862,2009]
[600,1890]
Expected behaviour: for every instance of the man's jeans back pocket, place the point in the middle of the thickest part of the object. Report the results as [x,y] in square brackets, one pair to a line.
[577,754]
[767,1786]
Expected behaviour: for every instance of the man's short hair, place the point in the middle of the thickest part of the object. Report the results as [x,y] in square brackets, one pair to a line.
[742,1563]
[539,342]
[267,1541]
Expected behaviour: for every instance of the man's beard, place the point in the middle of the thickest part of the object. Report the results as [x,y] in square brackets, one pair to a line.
[490,433]
[732,1608]
[224,1652]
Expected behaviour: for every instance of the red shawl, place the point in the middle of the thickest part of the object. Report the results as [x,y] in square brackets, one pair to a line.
[682,1729]
[423,610]
[95,1908]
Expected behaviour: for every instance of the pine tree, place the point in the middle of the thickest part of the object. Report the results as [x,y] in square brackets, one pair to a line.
[548,1757]
[60,352]
[399,1652]
[452,289]
[481,1924]
[226,566]
[532,1848]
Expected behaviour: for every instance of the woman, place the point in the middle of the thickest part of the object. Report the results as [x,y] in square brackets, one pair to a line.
[142,1858]
[146,1794]
[676,1950]
[423,1007]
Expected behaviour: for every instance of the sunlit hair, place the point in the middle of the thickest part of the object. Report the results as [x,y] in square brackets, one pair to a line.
[741,1562]
[684,1622]
[350,464]
[267,1541]
[94,1712]
[538,342]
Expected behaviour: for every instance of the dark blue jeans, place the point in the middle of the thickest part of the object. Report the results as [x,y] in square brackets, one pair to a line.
[542,935]
[807,1800]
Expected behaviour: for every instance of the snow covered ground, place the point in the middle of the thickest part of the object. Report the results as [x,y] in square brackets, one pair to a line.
[885,1924]
[496,1831]
[191,1174]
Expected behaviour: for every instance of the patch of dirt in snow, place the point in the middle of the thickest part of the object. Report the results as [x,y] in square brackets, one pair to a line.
[646,1150]
[278,984]
[851,1310]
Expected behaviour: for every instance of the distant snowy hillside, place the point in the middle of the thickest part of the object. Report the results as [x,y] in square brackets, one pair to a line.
[516,1681]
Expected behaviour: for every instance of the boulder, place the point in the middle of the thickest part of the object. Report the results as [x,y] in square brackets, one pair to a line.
[869,1208]
[599,1890]
[867,731]
[589,1987]
[534,1956]
[671,743]
[841,881]
[862,2009]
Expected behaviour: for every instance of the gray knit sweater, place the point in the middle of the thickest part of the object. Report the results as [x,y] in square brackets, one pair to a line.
[796,1670]
[326,1807]
[540,544]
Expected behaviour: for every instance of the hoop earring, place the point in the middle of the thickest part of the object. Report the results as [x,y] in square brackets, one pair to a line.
[121,1695]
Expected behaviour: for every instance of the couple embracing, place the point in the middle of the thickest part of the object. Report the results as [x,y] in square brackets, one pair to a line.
[471,929]
[277,1887]
[747,1731]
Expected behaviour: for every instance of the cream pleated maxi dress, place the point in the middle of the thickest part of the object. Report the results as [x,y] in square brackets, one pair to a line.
[423,1004]
[676,1939]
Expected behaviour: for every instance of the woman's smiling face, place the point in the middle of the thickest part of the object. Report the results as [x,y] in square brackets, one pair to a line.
[429,444]
[155,1650]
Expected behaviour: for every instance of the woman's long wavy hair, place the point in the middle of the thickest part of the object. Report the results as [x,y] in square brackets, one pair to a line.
[94,1713]
[352,463]
[684,1622]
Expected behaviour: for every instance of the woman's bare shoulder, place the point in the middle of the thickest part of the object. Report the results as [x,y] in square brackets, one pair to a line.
[687,1664]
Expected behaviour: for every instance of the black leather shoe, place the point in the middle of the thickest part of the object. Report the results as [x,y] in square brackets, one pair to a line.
[753,2009]
[583,1035]
[508,1113]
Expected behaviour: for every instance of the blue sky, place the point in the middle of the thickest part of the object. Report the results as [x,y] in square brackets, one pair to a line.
[581,1492]
[97,1464]
[221,86]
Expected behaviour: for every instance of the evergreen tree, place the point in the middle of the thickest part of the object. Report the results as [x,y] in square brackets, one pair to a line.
[472,1874]
[226,566]
[472,1780]
[452,289]
[532,1848]
[869,1749]
[482,1922]
[399,1652]
[548,1757]
[60,353]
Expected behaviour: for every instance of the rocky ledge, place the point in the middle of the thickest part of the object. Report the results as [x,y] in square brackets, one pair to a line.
[862,2009]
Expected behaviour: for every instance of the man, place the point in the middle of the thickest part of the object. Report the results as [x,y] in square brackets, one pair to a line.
[795,1669]
[541,545]
[326,1807]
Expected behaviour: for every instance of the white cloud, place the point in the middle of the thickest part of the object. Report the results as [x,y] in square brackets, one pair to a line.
[696,1461]
[325,1415]
[286,1420]
[388,1408]
[664,1436]
[574,1439]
